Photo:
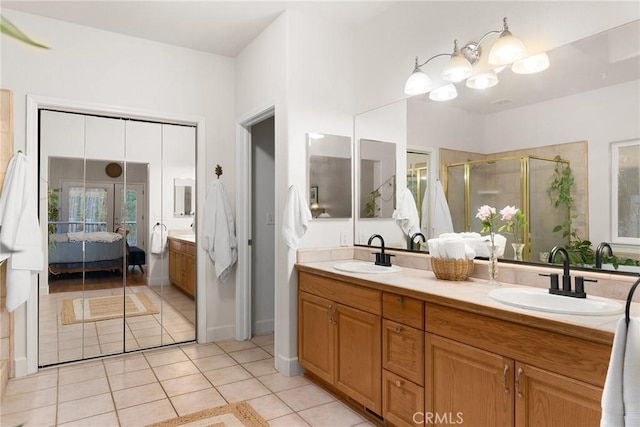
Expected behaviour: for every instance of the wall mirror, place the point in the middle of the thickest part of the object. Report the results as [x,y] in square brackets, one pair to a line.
[589,94]
[184,197]
[329,166]
[377,179]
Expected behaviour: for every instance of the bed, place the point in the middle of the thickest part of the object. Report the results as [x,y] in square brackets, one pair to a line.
[103,251]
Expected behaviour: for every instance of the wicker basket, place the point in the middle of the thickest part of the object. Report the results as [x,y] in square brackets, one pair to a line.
[452,269]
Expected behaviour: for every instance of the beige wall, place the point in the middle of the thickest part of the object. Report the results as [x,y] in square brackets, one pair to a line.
[6,319]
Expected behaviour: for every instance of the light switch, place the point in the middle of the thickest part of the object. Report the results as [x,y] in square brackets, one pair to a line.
[270,219]
[344,238]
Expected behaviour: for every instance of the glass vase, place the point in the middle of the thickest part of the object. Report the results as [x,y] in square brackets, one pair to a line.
[493,265]
[517,251]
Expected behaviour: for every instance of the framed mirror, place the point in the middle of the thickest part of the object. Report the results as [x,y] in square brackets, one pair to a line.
[184,197]
[329,166]
[590,95]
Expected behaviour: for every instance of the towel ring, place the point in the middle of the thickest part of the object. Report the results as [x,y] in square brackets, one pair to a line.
[627,311]
[163,226]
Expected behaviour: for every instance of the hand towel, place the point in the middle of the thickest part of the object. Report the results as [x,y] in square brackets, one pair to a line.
[295,219]
[20,237]
[158,240]
[442,222]
[406,214]
[631,375]
[219,234]
[612,400]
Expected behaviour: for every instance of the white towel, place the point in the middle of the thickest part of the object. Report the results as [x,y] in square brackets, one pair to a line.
[20,238]
[218,231]
[295,219]
[631,377]
[406,214]
[424,214]
[442,222]
[158,240]
[621,394]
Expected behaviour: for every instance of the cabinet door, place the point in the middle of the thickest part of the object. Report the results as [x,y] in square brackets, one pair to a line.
[174,272]
[189,276]
[358,349]
[467,385]
[402,401]
[316,335]
[403,351]
[548,399]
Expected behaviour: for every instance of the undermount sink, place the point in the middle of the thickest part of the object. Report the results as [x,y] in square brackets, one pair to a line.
[364,267]
[542,300]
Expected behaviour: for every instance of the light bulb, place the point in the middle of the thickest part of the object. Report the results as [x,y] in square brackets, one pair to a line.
[483,80]
[444,93]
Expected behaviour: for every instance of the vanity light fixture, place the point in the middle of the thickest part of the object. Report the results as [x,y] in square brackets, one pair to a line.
[316,136]
[505,51]
[444,93]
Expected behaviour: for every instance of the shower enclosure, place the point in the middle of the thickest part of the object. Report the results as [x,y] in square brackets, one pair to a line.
[515,181]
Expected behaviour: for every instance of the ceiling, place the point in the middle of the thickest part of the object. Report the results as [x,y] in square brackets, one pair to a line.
[219,27]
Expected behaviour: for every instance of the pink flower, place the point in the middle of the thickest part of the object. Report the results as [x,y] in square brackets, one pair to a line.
[508,212]
[485,213]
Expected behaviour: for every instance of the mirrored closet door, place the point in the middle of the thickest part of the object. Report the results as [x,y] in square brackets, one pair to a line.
[107,194]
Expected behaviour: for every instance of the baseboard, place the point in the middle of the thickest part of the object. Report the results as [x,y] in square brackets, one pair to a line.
[263,327]
[219,333]
[288,367]
[21,367]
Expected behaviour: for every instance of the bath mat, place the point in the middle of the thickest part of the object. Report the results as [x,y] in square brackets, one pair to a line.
[233,414]
[81,310]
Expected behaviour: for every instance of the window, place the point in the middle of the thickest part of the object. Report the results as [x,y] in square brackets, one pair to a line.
[625,192]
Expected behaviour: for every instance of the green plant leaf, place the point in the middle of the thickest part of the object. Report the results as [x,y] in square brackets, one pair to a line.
[6,27]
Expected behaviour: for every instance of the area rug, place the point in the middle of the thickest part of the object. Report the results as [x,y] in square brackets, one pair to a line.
[231,415]
[81,310]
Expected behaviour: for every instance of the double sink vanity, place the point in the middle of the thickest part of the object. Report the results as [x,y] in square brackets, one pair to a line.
[408,349]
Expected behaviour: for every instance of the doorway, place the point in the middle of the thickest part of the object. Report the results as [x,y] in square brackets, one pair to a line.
[263,234]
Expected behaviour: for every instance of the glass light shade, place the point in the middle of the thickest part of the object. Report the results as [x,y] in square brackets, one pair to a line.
[417,83]
[531,64]
[483,80]
[444,93]
[506,50]
[457,69]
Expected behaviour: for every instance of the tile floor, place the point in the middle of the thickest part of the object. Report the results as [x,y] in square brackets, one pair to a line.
[64,343]
[141,388]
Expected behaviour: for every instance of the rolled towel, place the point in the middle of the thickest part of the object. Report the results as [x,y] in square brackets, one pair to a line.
[434,247]
[469,253]
[454,247]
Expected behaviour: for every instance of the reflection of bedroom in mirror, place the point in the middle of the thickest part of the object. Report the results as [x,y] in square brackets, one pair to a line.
[110,288]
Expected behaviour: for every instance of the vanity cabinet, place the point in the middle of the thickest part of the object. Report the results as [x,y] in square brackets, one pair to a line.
[489,372]
[436,361]
[182,267]
[339,337]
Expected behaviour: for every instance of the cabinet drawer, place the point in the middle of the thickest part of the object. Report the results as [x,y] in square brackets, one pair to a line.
[369,300]
[174,245]
[189,249]
[402,400]
[409,311]
[403,350]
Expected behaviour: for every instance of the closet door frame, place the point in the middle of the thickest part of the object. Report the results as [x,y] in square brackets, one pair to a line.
[26,316]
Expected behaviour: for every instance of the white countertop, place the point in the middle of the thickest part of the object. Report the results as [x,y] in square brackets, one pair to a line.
[190,238]
[472,291]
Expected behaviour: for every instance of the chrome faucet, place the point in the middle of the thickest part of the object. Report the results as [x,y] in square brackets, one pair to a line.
[382,258]
[599,252]
[412,240]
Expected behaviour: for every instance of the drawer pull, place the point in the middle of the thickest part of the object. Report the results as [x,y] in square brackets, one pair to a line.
[518,390]
[398,383]
[398,329]
[399,299]
[504,379]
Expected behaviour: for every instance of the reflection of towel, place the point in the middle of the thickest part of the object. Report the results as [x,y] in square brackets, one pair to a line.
[442,222]
[20,238]
[295,219]
[219,233]
[621,394]
[406,215]
[424,214]
[158,240]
